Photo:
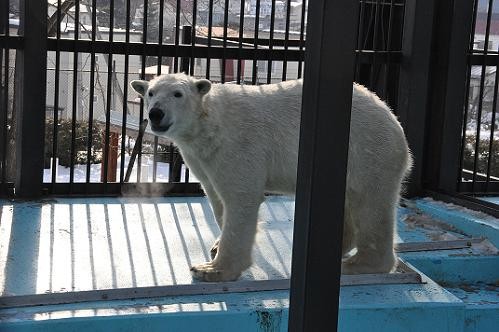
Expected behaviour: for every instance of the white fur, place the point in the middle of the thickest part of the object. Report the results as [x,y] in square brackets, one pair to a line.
[242,141]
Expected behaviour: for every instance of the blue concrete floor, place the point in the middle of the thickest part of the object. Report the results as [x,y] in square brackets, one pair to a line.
[84,244]
[100,243]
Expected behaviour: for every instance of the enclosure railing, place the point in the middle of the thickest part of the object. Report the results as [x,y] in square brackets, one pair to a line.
[479,166]
[94,50]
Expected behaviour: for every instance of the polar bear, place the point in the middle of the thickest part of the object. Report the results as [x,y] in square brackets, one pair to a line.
[242,141]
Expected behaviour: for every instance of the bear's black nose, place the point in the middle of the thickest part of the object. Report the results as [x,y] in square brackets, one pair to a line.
[155,115]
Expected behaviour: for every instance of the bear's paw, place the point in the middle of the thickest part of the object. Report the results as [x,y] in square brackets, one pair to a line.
[210,272]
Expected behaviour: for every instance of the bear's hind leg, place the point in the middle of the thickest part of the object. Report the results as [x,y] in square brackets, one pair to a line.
[375,224]
[348,234]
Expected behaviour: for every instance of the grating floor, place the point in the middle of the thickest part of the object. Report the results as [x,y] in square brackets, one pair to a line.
[99,243]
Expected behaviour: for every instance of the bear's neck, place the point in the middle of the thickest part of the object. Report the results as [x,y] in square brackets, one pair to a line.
[204,140]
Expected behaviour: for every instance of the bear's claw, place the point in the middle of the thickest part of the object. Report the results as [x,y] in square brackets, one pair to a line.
[208,272]
[214,250]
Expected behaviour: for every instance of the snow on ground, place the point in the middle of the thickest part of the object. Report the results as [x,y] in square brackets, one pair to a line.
[80,172]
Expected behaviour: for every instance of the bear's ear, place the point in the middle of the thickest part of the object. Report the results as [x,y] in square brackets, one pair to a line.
[140,86]
[203,86]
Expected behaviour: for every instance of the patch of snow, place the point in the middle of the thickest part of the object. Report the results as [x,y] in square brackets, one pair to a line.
[459,208]
[80,172]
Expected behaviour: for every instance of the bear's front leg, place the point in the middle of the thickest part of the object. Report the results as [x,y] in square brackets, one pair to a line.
[218,211]
[236,242]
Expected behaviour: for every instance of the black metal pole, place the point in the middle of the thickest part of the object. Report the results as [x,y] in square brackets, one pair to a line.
[31,91]
[322,165]
[186,40]
[175,158]
[136,149]
[449,73]
[4,92]
[413,95]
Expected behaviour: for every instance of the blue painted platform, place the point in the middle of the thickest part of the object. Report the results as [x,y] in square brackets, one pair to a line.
[62,245]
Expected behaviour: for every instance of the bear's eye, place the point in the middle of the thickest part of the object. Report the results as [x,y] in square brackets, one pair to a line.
[177,94]
[150,94]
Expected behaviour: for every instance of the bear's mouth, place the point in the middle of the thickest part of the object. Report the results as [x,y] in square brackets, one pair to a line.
[160,129]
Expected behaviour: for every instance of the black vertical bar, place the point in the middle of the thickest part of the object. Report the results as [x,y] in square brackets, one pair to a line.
[492,128]
[110,78]
[463,130]
[286,40]
[240,40]
[473,26]
[177,35]
[449,72]
[327,85]
[137,146]
[210,27]
[360,36]
[224,41]
[464,26]
[125,94]
[480,95]
[142,76]
[92,92]
[302,34]
[415,78]
[75,96]
[193,35]
[31,83]
[160,62]
[5,106]
[186,39]
[372,75]
[271,42]
[171,148]
[4,18]
[254,78]
[160,35]
[4,89]
[466,107]
[388,48]
[175,159]
[55,128]
[365,43]
[4,28]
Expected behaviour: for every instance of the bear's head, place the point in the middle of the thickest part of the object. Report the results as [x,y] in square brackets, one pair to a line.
[173,101]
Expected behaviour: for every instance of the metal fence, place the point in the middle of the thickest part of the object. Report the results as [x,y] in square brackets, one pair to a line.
[479,165]
[94,48]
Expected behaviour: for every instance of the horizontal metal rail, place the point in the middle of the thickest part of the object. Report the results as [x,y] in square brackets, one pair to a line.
[479,188]
[201,51]
[11,42]
[143,292]
[437,245]
[405,274]
[116,47]
[484,59]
